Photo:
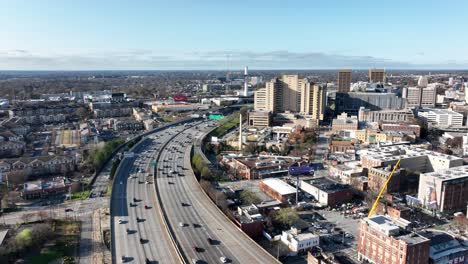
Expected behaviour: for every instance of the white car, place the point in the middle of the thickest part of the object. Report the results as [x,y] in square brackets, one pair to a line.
[147,182]
[181,224]
[120,221]
[223,259]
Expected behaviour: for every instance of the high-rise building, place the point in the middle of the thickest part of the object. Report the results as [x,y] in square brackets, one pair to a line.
[422,81]
[420,96]
[289,93]
[344,81]
[376,75]
[386,241]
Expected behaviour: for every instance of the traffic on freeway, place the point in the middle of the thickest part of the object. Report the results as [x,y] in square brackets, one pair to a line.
[139,233]
[205,235]
[195,230]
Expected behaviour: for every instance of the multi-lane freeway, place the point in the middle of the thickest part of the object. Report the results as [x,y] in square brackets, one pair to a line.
[200,233]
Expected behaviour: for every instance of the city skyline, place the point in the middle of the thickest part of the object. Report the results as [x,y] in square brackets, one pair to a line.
[55,35]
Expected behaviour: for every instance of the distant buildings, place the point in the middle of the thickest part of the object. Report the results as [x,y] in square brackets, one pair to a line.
[36,113]
[376,75]
[128,124]
[344,81]
[382,241]
[441,118]
[445,249]
[444,190]
[178,107]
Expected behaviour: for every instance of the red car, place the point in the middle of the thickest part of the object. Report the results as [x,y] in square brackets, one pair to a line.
[147,207]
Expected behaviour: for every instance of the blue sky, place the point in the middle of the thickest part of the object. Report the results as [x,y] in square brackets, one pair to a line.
[93,35]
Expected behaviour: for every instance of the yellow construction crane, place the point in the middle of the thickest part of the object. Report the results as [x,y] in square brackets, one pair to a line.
[376,202]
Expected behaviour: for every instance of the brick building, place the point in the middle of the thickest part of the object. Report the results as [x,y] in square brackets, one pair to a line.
[341,146]
[382,241]
[378,177]
[278,189]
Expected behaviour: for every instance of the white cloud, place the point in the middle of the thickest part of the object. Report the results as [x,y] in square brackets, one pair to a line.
[213,60]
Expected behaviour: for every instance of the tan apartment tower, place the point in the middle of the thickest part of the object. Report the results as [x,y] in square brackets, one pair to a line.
[376,75]
[344,81]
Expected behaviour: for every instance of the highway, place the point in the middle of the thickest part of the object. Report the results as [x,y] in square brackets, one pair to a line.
[147,239]
[130,183]
[192,216]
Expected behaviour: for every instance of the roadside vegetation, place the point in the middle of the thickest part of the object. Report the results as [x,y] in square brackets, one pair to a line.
[41,242]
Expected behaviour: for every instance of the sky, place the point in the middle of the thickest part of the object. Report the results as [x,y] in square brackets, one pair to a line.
[220,35]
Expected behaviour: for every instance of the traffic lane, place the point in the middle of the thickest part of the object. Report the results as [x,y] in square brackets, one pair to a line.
[242,246]
[193,237]
[212,253]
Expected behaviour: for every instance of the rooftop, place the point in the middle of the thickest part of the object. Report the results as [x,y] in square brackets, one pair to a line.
[280,186]
[449,174]
[327,185]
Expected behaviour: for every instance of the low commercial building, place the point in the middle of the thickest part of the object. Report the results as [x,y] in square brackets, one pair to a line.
[278,189]
[327,192]
[382,241]
[45,188]
[444,249]
[259,119]
[441,118]
[251,168]
[444,190]
[298,241]
[344,122]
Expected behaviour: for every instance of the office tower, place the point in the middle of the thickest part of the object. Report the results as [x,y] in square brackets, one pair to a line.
[376,75]
[419,96]
[344,81]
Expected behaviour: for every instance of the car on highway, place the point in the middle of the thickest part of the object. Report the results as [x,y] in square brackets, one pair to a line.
[120,221]
[224,260]
[181,224]
[147,207]
[68,210]
[198,249]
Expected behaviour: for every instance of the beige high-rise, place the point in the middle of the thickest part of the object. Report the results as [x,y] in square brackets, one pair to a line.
[376,75]
[344,81]
[289,93]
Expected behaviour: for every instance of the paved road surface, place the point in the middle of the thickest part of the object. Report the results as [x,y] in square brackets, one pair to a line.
[184,202]
[131,180]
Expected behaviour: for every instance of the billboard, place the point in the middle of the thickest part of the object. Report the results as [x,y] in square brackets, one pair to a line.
[300,170]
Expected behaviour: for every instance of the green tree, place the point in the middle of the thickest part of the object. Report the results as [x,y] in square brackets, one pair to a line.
[206,173]
[286,216]
[249,197]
